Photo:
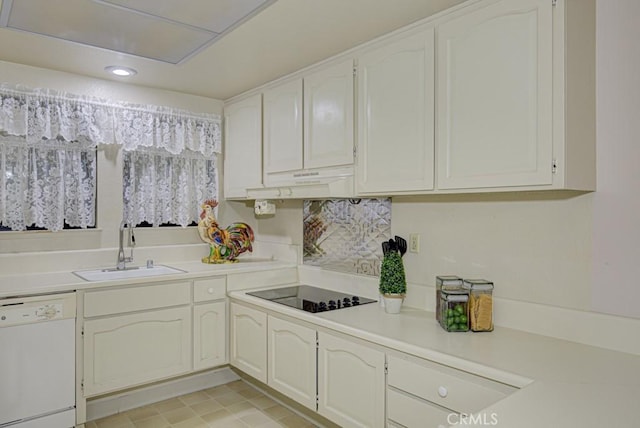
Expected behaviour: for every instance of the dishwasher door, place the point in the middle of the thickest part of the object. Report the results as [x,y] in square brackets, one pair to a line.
[37,363]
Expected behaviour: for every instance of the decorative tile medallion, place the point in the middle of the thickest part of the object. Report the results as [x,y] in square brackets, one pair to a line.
[345,234]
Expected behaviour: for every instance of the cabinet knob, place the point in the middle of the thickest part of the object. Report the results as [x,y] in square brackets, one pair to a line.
[442,391]
[210,290]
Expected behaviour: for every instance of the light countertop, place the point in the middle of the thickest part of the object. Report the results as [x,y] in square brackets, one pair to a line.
[563,383]
[54,282]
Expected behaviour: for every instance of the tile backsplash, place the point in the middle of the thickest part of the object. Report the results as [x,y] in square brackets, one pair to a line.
[345,234]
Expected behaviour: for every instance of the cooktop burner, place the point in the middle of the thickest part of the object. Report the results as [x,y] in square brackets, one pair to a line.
[311,299]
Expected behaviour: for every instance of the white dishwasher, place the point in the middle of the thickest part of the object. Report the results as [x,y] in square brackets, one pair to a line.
[37,361]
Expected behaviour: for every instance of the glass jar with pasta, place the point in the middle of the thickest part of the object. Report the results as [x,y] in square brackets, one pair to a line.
[480,304]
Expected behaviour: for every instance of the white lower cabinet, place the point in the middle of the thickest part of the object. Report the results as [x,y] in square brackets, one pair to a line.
[128,350]
[423,394]
[350,382]
[138,334]
[248,341]
[292,360]
[209,335]
[408,411]
[291,356]
[344,381]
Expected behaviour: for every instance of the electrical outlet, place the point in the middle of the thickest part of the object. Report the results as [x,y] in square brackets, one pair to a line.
[414,242]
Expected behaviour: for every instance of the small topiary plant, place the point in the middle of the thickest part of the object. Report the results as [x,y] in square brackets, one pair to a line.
[392,279]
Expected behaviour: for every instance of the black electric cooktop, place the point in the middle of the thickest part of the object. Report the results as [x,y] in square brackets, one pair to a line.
[311,299]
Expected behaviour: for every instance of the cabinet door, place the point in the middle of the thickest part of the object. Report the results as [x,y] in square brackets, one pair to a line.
[350,383]
[242,146]
[248,341]
[283,128]
[395,116]
[209,335]
[292,361]
[494,96]
[129,350]
[328,116]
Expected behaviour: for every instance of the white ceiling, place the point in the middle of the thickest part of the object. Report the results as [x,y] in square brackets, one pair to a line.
[164,30]
[283,37]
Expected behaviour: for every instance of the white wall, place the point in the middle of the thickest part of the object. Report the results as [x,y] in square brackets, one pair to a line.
[616,204]
[534,247]
[572,250]
[76,84]
[575,251]
[578,251]
[285,227]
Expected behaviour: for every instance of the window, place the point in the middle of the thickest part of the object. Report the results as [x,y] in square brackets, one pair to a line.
[164,189]
[48,146]
[49,185]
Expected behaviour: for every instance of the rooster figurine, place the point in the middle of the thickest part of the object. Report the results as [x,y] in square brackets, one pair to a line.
[225,244]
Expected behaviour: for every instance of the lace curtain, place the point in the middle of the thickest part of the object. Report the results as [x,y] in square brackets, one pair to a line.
[47,184]
[38,126]
[163,188]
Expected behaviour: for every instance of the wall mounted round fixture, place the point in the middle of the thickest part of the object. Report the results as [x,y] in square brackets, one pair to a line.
[120,71]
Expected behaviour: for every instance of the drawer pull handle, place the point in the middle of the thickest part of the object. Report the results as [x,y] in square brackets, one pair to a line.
[210,290]
[442,391]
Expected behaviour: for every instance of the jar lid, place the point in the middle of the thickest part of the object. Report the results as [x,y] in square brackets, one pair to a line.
[455,297]
[448,280]
[478,284]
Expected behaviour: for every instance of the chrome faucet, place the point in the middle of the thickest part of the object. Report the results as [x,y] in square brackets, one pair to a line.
[122,260]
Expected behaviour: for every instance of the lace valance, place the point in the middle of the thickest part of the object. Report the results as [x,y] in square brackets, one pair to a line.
[39,114]
[48,160]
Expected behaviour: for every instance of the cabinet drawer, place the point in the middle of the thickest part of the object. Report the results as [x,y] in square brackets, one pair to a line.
[209,289]
[447,387]
[132,299]
[410,412]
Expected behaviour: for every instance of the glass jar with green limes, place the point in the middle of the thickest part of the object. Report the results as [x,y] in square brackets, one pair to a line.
[454,314]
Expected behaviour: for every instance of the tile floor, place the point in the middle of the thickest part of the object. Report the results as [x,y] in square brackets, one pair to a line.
[234,405]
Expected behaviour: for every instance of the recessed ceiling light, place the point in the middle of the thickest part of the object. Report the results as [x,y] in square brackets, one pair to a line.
[120,71]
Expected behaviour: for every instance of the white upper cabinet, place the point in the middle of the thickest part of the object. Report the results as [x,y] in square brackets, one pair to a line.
[283,128]
[396,116]
[243,146]
[308,131]
[490,96]
[328,116]
[494,96]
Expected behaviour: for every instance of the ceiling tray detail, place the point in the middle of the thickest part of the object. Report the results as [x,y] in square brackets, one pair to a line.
[163,30]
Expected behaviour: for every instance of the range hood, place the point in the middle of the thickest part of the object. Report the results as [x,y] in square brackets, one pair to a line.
[307,184]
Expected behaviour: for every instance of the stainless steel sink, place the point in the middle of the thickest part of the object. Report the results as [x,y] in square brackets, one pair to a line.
[130,272]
